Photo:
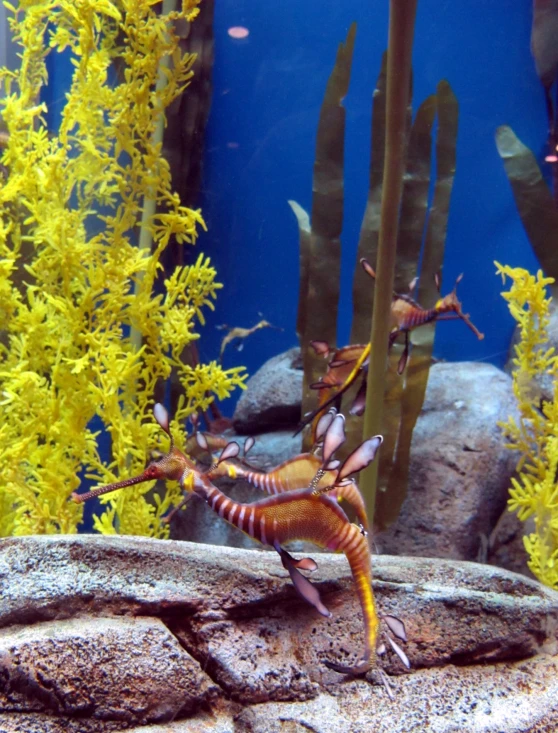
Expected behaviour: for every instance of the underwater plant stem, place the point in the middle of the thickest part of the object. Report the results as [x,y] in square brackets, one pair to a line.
[149,202]
[399,56]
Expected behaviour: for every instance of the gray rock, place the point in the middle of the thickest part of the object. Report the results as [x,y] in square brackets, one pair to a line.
[129,669]
[460,470]
[273,396]
[105,630]
[505,547]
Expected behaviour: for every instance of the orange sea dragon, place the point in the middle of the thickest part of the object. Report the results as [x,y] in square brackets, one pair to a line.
[350,361]
[298,472]
[303,514]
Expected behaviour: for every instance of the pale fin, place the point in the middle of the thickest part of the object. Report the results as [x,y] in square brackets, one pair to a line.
[303,586]
[162,416]
[360,457]
[231,450]
[334,437]
[396,626]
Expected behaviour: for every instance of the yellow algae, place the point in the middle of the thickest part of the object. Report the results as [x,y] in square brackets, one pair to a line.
[535,436]
[74,286]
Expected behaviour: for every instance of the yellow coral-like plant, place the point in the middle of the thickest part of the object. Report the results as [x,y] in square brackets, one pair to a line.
[74,286]
[535,492]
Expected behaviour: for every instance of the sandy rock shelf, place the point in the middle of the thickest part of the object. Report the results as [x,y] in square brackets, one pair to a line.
[112,634]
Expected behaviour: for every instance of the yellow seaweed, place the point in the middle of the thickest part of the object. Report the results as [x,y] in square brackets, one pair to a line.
[74,285]
[535,436]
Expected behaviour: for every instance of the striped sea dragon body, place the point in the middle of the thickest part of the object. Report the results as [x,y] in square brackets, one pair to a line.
[296,473]
[407,314]
[300,514]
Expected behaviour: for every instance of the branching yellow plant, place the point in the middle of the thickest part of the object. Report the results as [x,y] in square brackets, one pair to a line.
[535,436]
[73,283]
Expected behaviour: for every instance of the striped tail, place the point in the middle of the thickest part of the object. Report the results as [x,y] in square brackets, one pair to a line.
[300,515]
[355,546]
[351,494]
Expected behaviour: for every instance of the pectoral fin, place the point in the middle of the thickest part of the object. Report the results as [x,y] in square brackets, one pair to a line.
[302,585]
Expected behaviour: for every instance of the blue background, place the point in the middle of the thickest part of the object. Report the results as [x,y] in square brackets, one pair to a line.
[260,143]
[260,146]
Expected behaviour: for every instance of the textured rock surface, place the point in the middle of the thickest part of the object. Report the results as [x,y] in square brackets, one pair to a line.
[505,546]
[109,634]
[460,470]
[272,400]
[131,669]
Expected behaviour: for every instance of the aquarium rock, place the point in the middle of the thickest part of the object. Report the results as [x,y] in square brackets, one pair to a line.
[273,396]
[504,546]
[119,633]
[460,469]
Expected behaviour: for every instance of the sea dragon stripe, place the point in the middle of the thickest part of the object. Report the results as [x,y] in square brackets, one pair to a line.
[301,515]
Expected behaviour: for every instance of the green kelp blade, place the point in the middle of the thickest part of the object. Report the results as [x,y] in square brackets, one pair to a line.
[363,285]
[533,198]
[327,217]
[544,33]
[308,357]
[415,377]
[391,421]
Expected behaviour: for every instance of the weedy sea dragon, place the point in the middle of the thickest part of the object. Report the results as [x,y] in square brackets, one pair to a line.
[298,472]
[303,514]
[350,361]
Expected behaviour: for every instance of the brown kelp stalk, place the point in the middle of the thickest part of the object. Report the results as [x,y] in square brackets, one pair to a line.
[321,242]
[401,29]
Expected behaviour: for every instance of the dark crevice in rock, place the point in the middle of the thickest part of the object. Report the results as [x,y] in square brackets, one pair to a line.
[280,605]
[81,606]
[183,630]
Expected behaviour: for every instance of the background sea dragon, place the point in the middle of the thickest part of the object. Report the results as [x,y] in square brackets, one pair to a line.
[303,514]
[349,362]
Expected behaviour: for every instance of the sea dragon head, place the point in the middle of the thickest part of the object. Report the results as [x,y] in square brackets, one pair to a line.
[450,303]
[173,466]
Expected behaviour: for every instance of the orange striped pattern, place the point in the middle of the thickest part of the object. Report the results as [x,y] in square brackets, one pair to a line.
[300,515]
[296,473]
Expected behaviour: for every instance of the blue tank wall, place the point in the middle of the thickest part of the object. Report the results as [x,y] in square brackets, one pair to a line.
[260,150]
[260,144]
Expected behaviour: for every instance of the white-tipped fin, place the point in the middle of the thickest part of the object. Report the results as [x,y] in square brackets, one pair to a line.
[201,440]
[162,416]
[368,267]
[231,450]
[400,653]
[334,437]
[323,423]
[360,457]
[248,445]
